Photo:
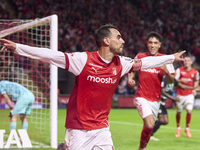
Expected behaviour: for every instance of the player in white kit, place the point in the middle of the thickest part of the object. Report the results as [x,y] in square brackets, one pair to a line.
[97,76]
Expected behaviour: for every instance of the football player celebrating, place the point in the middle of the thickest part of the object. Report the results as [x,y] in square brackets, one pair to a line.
[97,77]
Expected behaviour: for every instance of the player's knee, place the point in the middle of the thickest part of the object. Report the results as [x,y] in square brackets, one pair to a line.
[14,118]
[178,113]
[165,122]
[189,111]
[23,117]
[150,125]
[149,121]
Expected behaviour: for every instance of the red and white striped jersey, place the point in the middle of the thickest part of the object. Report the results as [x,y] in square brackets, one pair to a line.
[191,76]
[150,81]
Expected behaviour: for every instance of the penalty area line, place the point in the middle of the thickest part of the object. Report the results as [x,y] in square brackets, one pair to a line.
[137,124]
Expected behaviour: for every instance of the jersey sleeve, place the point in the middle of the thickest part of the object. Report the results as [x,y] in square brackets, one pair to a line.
[76,62]
[197,76]
[144,63]
[56,58]
[2,91]
[127,64]
[156,61]
[170,68]
[177,76]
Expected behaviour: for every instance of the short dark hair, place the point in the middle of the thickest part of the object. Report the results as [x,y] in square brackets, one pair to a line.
[102,32]
[154,34]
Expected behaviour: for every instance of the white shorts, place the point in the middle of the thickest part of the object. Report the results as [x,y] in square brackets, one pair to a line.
[186,101]
[146,108]
[99,139]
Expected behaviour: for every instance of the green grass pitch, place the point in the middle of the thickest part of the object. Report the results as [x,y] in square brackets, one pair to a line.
[126,126]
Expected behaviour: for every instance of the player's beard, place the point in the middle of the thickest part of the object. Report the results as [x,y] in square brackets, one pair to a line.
[119,51]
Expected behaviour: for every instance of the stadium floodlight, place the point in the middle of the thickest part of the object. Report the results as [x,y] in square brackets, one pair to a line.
[39,77]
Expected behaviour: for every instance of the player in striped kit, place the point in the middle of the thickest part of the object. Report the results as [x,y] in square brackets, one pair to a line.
[188,76]
[23,99]
[97,76]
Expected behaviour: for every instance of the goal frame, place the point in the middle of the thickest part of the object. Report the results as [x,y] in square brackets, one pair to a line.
[53,19]
[54,82]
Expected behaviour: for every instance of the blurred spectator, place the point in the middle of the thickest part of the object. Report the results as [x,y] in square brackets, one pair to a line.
[77,21]
[177,21]
[122,86]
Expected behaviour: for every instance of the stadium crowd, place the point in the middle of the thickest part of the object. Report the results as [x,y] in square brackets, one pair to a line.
[178,21]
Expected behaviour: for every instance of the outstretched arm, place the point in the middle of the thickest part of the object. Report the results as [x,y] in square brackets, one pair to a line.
[158,61]
[7,45]
[56,58]
[179,56]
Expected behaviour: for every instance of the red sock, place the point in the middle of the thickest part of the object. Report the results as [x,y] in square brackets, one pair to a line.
[178,118]
[145,136]
[188,118]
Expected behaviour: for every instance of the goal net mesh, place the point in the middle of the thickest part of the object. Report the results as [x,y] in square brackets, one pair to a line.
[33,74]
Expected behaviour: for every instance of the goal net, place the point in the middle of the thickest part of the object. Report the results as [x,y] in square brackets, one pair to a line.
[37,76]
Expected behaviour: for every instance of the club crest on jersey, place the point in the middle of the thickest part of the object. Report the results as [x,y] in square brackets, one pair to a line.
[114,71]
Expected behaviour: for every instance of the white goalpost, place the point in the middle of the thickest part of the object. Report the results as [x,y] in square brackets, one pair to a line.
[39,77]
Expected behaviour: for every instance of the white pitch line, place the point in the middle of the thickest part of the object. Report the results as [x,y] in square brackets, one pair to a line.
[137,124]
[36,144]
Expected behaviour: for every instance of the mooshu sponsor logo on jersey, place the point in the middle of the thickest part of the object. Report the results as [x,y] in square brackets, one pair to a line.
[101,80]
[187,79]
[153,70]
